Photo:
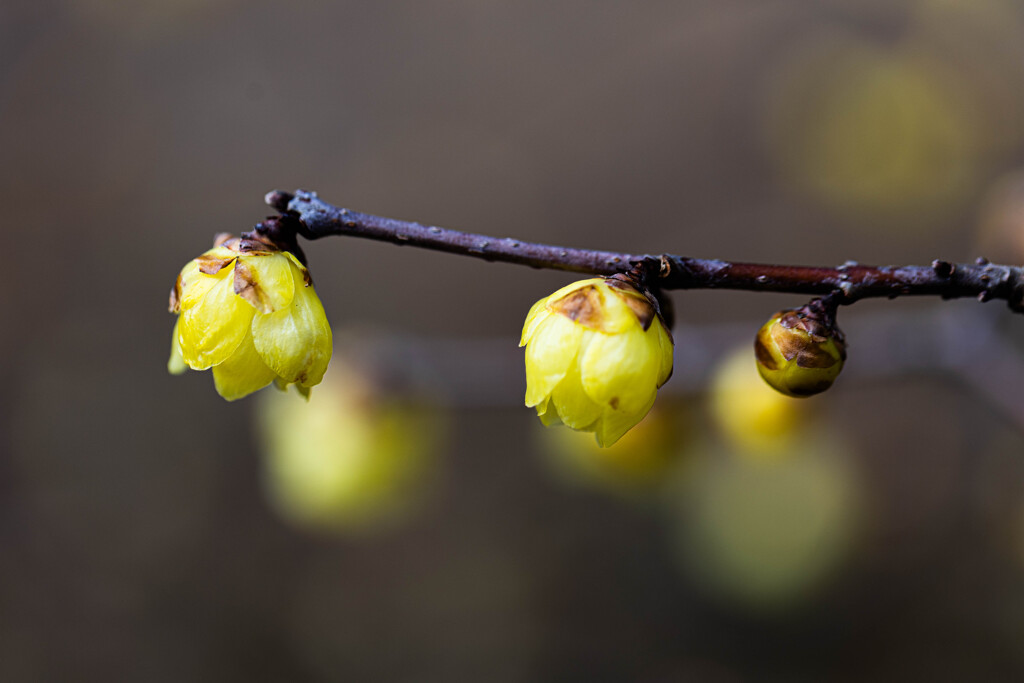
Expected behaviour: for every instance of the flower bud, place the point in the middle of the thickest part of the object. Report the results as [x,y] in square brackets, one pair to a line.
[800,352]
[249,311]
[596,353]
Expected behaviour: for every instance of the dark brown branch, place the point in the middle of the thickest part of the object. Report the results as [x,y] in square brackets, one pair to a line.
[849,282]
[320,219]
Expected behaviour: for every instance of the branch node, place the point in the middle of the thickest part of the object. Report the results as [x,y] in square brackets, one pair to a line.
[664,266]
[943,269]
[278,200]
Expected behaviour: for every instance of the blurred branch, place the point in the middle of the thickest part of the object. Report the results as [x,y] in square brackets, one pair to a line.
[965,345]
[847,283]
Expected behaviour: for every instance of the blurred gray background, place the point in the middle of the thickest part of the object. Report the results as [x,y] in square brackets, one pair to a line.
[140,538]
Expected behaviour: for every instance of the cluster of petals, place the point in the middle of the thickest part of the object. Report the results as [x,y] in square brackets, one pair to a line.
[250,312]
[596,353]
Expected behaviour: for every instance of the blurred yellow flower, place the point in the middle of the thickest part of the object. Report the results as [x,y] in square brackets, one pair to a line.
[768,534]
[755,418]
[249,311]
[891,136]
[358,459]
[596,353]
[636,467]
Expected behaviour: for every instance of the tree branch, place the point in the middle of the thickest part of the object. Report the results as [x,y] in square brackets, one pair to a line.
[848,283]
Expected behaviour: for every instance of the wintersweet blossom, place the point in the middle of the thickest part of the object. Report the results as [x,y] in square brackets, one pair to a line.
[249,311]
[596,353]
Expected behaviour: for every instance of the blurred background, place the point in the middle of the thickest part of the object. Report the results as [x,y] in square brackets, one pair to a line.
[413,522]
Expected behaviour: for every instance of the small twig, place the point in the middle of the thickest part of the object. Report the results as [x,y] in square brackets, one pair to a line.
[847,283]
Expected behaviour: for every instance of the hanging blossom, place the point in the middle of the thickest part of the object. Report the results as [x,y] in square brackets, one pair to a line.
[596,353]
[248,310]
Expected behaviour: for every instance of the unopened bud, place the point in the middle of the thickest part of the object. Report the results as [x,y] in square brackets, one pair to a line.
[800,352]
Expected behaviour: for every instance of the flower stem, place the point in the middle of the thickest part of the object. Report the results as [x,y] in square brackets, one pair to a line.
[847,283]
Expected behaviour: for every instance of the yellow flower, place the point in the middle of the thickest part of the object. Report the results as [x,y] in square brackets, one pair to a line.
[249,311]
[596,353]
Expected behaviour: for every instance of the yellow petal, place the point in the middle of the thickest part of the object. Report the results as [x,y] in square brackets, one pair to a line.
[570,288]
[613,424]
[194,284]
[243,373]
[554,346]
[187,278]
[213,260]
[176,364]
[665,349]
[620,371]
[298,264]
[598,306]
[538,312]
[617,316]
[265,280]
[282,385]
[548,414]
[296,340]
[574,407]
[214,321]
